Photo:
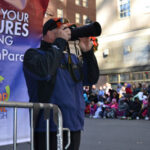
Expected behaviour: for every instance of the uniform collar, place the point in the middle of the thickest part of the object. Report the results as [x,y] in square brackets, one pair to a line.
[45,45]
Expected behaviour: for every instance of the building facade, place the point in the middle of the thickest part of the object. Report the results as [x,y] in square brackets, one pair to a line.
[124,46]
[76,11]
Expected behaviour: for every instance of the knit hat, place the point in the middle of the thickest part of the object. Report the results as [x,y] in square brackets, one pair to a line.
[128,85]
[53,23]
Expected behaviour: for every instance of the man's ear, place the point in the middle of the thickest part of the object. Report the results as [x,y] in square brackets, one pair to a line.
[49,36]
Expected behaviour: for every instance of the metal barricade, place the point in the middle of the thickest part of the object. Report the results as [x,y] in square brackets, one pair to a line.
[46,106]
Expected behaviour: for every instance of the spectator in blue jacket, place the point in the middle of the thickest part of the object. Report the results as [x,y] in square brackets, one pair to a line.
[50,62]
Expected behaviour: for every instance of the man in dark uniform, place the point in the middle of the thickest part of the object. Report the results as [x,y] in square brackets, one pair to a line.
[50,62]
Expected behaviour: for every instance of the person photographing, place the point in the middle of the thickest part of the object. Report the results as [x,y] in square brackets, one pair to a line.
[54,75]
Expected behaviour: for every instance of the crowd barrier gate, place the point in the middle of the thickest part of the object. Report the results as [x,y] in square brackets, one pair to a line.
[38,106]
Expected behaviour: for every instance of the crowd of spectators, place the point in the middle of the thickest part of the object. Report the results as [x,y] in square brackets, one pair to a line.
[127,101]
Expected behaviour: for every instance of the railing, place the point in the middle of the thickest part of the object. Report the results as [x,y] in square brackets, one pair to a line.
[35,107]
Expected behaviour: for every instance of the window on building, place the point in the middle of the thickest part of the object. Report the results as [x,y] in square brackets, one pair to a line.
[78,2]
[78,18]
[147,75]
[59,13]
[124,8]
[85,3]
[113,78]
[85,17]
[137,76]
[124,77]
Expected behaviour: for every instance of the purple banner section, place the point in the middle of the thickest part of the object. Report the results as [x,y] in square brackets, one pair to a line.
[20,28]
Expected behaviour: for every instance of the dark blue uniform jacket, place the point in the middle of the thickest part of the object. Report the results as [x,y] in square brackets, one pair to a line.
[41,64]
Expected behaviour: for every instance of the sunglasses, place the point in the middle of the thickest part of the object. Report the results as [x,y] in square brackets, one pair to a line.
[61,21]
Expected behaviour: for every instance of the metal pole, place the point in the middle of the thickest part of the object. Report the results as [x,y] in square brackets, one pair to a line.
[15,129]
[32,131]
[60,131]
[69,136]
[47,134]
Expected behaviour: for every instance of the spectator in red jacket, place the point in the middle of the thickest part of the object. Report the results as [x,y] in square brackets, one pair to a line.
[128,89]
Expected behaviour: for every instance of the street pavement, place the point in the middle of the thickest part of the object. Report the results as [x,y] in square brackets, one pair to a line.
[110,134]
[115,134]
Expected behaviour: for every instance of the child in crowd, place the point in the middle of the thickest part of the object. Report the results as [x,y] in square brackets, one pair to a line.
[85,97]
[111,109]
[144,113]
[87,109]
[93,108]
[99,111]
[128,89]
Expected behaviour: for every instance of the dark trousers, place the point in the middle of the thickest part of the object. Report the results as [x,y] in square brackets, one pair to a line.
[40,140]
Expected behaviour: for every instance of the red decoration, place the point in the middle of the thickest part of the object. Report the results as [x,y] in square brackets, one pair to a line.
[95,42]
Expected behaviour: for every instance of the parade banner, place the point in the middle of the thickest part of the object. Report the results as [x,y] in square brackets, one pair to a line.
[20,29]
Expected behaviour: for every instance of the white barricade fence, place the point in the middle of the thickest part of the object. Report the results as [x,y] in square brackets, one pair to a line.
[34,108]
